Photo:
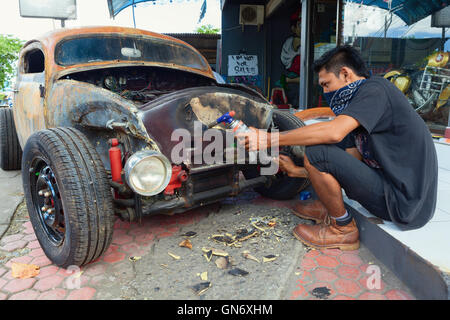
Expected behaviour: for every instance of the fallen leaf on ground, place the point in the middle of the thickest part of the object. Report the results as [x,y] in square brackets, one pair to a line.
[222,263]
[247,255]
[208,255]
[225,239]
[269,258]
[244,234]
[23,270]
[173,256]
[203,275]
[201,287]
[216,252]
[238,272]
[190,234]
[133,259]
[186,243]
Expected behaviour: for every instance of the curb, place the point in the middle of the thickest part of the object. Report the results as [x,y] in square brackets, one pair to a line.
[424,279]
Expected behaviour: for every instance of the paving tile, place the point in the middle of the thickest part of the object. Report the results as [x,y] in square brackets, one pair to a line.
[55,294]
[308,264]
[30,237]
[48,283]
[36,253]
[349,272]
[347,287]
[324,275]
[25,295]
[2,271]
[41,261]
[114,257]
[33,244]
[327,261]
[47,271]
[3,282]
[23,259]
[305,277]
[86,293]
[299,293]
[11,238]
[3,296]
[144,238]
[94,269]
[350,259]
[312,254]
[164,235]
[12,246]
[121,239]
[18,285]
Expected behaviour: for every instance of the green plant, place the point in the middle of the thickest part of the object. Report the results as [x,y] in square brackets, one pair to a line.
[9,53]
[207,29]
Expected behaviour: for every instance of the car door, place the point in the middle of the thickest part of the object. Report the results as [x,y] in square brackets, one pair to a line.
[29,92]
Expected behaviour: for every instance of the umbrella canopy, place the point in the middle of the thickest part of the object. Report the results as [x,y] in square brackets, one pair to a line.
[115,6]
[409,11]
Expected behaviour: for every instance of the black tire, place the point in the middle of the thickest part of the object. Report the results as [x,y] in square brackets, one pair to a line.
[64,162]
[282,186]
[10,150]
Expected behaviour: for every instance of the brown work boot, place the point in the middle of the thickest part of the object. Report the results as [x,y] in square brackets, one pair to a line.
[314,210]
[329,235]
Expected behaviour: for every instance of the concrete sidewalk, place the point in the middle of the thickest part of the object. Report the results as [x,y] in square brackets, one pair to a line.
[12,195]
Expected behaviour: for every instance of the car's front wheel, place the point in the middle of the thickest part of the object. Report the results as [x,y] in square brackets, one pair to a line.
[283,187]
[68,196]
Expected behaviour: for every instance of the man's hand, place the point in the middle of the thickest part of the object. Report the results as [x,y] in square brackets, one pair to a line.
[287,165]
[255,139]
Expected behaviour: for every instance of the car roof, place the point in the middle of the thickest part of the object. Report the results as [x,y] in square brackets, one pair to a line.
[50,39]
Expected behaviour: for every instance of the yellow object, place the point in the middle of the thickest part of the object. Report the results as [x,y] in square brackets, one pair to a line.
[399,80]
[443,97]
[438,59]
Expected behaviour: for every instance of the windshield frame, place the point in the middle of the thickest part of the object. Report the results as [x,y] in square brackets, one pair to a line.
[203,65]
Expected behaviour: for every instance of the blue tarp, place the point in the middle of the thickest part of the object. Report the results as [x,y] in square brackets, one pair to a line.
[409,11]
[115,6]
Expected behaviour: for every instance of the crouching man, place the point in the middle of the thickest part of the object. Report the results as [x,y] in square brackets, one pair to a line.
[377,149]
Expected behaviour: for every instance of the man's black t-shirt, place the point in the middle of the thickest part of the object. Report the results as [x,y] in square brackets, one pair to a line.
[402,146]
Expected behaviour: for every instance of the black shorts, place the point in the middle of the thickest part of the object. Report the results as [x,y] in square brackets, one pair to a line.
[361,182]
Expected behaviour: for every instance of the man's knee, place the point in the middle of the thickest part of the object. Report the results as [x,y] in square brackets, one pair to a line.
[316,153]
[317,156]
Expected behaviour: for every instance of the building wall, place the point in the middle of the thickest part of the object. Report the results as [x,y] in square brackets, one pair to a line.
[266,44]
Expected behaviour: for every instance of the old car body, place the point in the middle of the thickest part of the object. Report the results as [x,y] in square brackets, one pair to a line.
[137,87]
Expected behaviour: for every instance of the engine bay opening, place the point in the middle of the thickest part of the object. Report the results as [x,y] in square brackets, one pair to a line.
[141,84]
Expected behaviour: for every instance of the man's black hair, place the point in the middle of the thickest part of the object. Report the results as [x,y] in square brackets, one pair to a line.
[342,56]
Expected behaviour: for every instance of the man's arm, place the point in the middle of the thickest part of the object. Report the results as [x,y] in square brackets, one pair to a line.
[319,133]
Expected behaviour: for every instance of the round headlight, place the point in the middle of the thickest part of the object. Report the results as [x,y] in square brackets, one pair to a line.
[148,172]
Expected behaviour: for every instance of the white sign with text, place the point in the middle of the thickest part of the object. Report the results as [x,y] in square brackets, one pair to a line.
[242,65]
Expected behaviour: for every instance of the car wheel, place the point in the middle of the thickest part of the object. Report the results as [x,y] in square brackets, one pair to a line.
[68,196]
[282,186]
[10,151]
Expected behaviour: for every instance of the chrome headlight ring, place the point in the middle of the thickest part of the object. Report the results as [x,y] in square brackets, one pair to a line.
[148,172]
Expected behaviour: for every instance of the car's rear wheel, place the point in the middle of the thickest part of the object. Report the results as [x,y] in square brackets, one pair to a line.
[68,196]
[283,187]
[10,150]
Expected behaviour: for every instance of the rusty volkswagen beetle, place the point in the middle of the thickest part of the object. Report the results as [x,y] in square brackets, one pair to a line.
[94,112]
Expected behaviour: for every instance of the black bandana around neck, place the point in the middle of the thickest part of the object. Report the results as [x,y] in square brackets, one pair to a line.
[339,99]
